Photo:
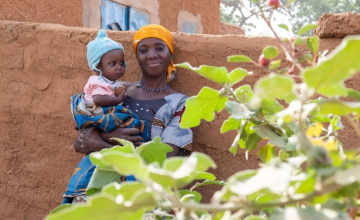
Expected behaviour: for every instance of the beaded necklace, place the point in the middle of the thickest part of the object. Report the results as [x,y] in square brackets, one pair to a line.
[154,90]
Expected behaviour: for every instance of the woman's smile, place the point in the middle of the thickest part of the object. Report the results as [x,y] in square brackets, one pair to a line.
[154,64]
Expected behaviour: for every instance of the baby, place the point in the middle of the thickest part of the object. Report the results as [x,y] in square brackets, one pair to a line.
[106,59]
[100,106]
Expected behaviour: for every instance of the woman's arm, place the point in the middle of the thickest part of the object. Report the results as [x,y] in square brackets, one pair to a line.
[89,141]
[92,140]
[175,152]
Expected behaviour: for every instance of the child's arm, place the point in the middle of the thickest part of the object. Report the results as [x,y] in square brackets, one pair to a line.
[105,100]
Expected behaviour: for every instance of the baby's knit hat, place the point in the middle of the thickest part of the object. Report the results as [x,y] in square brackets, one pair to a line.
[100,46]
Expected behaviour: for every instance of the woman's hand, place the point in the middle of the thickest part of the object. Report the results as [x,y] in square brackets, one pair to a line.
[123,133]
[89,141]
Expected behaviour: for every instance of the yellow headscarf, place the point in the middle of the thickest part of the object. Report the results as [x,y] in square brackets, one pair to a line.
[160,32]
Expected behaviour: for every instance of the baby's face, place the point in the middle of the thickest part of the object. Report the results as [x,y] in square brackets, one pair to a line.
[112,64]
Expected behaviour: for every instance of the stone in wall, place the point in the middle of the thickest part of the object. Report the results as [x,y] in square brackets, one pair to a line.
[339,25]
[230,29]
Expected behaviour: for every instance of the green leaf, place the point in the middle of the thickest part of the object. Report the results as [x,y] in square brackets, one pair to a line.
[274,86]
[237,75]
[204,161]
[349,176]
[245,133]
[164,178]
[298,41]
[289,3]
[308,56]
[266,153]
[270,52]
[337,89]
[126,145]
[275,178]
[195,195]
[291,144]
[306,28]
[271,106]
[202,106]
[283,155]
[313,44]
[101,178]
[154,151]
[284,26]
[237,110]
[336,123]
[265,131]
[333,204]
[308,213]
[338,107]
[348,191]
[320,118]
[126,189]
[184,174]
[99,207]
[354,94]
[307,186]
[123,149]
[252,141]
[341,64]
[142,199]
[274,64]
[205,176]
[244,93]
[60,208]
[131,164]
[239,59]
[230,124]
[173,163]
[215,74]
[254,217]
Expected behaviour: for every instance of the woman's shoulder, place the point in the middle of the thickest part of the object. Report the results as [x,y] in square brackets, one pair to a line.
[129,84]
[176,100]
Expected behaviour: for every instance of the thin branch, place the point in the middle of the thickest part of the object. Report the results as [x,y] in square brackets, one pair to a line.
[353,125]
[238,206]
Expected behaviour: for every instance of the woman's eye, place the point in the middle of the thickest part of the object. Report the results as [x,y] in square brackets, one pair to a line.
[160,48]
[143,50]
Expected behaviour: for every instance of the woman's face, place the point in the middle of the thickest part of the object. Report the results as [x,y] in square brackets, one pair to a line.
[153,57]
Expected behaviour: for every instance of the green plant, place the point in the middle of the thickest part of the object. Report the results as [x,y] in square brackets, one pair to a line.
[282,188]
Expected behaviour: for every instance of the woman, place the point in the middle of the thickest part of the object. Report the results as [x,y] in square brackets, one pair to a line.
[151,98]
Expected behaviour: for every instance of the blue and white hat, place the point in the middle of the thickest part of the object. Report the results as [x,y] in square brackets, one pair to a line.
[100,46]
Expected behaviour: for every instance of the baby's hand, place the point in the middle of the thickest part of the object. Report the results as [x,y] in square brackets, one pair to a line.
[119,89]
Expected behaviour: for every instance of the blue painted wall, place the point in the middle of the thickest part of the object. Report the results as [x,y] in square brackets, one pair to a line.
[189,27]
[128,18]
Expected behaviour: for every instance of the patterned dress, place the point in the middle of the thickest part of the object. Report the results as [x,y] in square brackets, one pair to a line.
[163,118]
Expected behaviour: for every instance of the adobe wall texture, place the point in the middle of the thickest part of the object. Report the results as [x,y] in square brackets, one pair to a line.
[42,65]
[209,12]
[86,13]
[230,29]
[338,25]
[65,12]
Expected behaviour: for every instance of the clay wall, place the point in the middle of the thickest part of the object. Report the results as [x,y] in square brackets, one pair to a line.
[65,12]
[338,25]
[207,11]
[230,29]
[86,13]
[42,65]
